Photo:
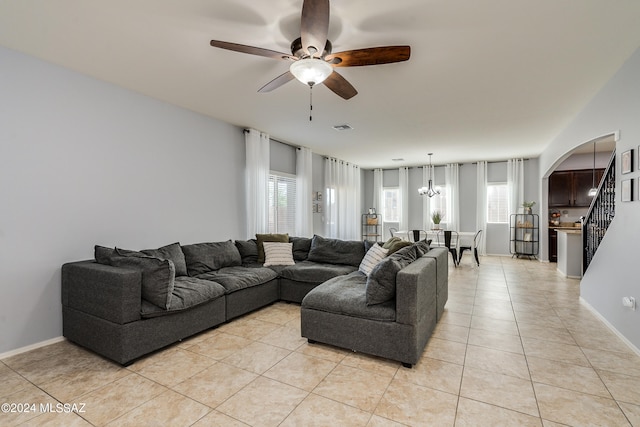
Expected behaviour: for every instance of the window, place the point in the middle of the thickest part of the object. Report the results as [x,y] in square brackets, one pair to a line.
[391,205]
[439,203]
[497,204]
[282,203]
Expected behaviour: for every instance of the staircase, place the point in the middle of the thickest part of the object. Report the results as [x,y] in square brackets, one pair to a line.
[600,215]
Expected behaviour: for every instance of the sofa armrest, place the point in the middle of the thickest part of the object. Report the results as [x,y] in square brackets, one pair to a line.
[104,291]
[416,291]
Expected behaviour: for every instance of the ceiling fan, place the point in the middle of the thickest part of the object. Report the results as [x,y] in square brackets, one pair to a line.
[312,61]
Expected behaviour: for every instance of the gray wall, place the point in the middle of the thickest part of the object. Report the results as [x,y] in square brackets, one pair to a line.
[613,272]
[84,162]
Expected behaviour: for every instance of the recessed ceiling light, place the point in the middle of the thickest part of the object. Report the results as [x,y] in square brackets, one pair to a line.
[397,160]
[343,127]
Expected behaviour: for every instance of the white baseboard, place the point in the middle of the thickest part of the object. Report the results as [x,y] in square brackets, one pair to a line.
[610,326]
[31,347]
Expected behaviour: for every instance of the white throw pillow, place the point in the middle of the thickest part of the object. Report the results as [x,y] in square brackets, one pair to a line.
[373,256]
[278,254]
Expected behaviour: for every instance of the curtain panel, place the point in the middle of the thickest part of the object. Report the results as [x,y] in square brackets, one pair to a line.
[257,182]
[403,174]
[481,204]
[426,201]
[304,177]
[452,182]
[515,184]
[378,203]
[342,201]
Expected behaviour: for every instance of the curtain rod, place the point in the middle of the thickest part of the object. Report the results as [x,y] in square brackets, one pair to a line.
[297,147]
[459,164]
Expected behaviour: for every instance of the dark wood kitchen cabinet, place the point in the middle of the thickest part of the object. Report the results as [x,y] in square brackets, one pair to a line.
[571,188]
[553,245]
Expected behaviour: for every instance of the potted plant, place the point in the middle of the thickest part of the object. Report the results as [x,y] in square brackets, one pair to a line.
[527,206]
[436,217]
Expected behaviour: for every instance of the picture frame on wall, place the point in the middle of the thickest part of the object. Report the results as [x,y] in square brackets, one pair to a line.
[627,190]
[626,162]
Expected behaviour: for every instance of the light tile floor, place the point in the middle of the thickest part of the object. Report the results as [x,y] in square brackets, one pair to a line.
[514,348]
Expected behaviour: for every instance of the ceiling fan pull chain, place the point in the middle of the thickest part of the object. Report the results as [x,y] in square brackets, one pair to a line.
[310,102]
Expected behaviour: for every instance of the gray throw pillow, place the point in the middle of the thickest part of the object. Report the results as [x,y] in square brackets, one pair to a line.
[205,257]
[158,275]
[336,251]
[381,283]
[103,254]
[248,251]
[301,246]
[171,252]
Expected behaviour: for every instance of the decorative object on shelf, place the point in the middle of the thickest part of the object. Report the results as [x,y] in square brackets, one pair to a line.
[436,217]
[627,193]
[626,162]
[429,190]
[593,190]
[527,206]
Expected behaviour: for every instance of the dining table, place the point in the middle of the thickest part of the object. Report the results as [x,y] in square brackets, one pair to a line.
[465,238]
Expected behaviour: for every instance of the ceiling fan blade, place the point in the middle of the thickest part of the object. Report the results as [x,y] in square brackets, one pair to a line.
[314,26]
[277,82]
[252,50]
[369,56]
[340,86]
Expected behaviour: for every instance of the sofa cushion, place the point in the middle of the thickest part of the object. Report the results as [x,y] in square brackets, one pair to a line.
[171,252]
[346,295]
[335,251]
[261,238]
[248,251]
[313,272]
[278,254]
[381,283]
[301,246]
[237,278]
[205,257]
[158,275]
[372,258]
[187,292]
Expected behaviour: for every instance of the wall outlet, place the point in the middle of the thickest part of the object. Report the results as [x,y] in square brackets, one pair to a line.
[629,302]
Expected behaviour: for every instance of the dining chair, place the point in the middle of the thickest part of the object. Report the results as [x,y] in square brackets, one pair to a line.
[451,243]
[417,235]
[476,243]
[393,231]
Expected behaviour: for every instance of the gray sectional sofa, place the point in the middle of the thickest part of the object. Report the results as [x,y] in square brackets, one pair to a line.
[125,304]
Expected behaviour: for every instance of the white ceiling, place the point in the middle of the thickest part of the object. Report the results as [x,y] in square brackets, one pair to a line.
[487,79]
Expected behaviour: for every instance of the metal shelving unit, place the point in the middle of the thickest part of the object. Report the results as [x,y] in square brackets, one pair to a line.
[524,235]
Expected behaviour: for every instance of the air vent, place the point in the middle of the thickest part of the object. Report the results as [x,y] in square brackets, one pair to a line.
[397,160]
[343,127]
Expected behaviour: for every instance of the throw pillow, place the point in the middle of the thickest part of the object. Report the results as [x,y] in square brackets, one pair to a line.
[261,238]
[301,246]
[158,275]
[381,283]
[206,257]
[397,245]
[248,251]
[372,258]
[278,254]
[103,254]
[171,252]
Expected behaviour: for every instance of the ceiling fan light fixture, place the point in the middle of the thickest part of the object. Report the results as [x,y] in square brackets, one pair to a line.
[311,71]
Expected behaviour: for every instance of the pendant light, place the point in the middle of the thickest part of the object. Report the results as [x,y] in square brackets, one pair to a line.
[593,190]
[429,190]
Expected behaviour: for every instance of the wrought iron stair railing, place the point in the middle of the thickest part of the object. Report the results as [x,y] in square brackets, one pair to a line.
[600,214]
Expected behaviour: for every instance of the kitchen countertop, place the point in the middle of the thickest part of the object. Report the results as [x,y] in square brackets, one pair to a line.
[570,230]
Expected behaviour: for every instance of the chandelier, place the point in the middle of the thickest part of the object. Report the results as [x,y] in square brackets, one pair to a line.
[429,190]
